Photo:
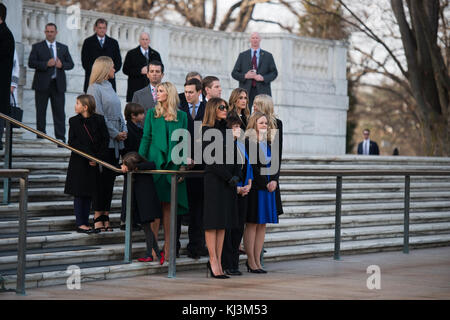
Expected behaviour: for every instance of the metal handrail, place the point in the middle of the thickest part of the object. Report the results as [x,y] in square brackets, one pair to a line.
[22,174]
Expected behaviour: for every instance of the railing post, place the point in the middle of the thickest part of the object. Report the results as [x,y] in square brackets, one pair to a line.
[7,162]
[406,215]
[128,254]
[173,226]
[22,244]
[337,225]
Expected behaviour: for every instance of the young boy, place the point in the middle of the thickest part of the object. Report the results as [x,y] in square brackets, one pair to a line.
[134,114]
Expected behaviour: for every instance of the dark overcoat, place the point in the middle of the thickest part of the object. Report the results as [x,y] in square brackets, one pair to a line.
[92,49]
[220,205]
[81,177]
[132,66]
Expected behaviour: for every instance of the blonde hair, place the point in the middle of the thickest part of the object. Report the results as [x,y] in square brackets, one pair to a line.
[100,70]
[170,114]
[234,98]
[209,119]
[264,103]
[252,130]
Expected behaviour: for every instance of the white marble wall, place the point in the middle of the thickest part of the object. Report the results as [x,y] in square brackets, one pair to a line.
[310,92]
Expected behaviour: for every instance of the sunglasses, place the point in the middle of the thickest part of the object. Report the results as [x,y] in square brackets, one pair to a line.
[222,108]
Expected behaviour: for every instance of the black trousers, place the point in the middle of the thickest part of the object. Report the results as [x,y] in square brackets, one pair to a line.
[57,101]
[101,201]
[233,237]
[82,207]
[195,200]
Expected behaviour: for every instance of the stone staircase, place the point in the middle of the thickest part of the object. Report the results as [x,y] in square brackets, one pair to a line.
[372,217]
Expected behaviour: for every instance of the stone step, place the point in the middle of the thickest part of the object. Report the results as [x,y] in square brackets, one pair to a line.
[105,270]
[301,196]
[67,223]
[357,166]
[276,239]
[364,209]
[364,198]
[80,248]
[348,187]
[65,208]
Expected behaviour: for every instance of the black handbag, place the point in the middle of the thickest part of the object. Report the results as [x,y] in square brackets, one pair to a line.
[16,112]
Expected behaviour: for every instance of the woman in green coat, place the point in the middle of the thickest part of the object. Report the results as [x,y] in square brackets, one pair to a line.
[161,123]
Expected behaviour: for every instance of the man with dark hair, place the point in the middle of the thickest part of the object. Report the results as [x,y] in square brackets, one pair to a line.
[146,97]
[50,59]
[191,75]
[7,46]
[136,65]
[255,69]
[368,147]
[195,110]
[211,87]
[98,45]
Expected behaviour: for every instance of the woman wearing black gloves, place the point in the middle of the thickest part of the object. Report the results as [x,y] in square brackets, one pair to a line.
[220,183]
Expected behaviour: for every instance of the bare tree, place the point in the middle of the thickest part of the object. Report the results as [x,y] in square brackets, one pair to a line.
[424,75]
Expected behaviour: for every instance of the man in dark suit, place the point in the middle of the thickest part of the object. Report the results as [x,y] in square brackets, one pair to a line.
[368,147]
[136,65]
[50,59]
[99,45]
[255,69]
[190,75]
[195,110]
[146,97]
[7,46]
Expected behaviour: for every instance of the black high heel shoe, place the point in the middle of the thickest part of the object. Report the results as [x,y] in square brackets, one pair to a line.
[208,268]
[252,270]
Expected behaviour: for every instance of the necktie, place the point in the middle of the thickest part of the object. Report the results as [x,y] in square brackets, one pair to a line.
[193,112]
[52,55]
[146,55]
[366,143]
[254,66]
[101,42]
[154,94]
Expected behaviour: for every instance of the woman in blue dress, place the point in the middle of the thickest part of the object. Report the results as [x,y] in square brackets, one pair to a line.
[262,208]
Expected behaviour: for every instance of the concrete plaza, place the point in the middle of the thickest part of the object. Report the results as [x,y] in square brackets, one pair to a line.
[421,274]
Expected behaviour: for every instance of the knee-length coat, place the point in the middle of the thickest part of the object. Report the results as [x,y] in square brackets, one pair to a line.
[89,135]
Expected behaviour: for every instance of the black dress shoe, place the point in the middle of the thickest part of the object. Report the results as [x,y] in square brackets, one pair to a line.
[87,231]
[233,272]
[193,255]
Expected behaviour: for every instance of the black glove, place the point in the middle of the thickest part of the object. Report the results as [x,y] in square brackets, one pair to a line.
[233,181]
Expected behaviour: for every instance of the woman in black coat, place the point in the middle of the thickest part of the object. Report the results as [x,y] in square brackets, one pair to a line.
[220,184]
[87,133]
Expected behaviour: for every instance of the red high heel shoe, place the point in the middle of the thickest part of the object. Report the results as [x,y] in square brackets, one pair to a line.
[146,259]
[162,259]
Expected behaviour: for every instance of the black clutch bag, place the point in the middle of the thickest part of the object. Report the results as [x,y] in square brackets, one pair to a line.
[16,112]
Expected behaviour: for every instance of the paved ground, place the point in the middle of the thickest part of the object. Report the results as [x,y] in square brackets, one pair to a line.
[423,274]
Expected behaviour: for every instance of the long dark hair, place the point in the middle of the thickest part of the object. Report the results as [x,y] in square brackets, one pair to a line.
[132,159]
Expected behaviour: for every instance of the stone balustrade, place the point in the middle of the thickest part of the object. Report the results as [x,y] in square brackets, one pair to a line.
[310,93]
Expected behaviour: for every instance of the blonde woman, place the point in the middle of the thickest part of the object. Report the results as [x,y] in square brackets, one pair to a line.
[261,198]
[264,103]
[239,105]
[108,105]
[156,145]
